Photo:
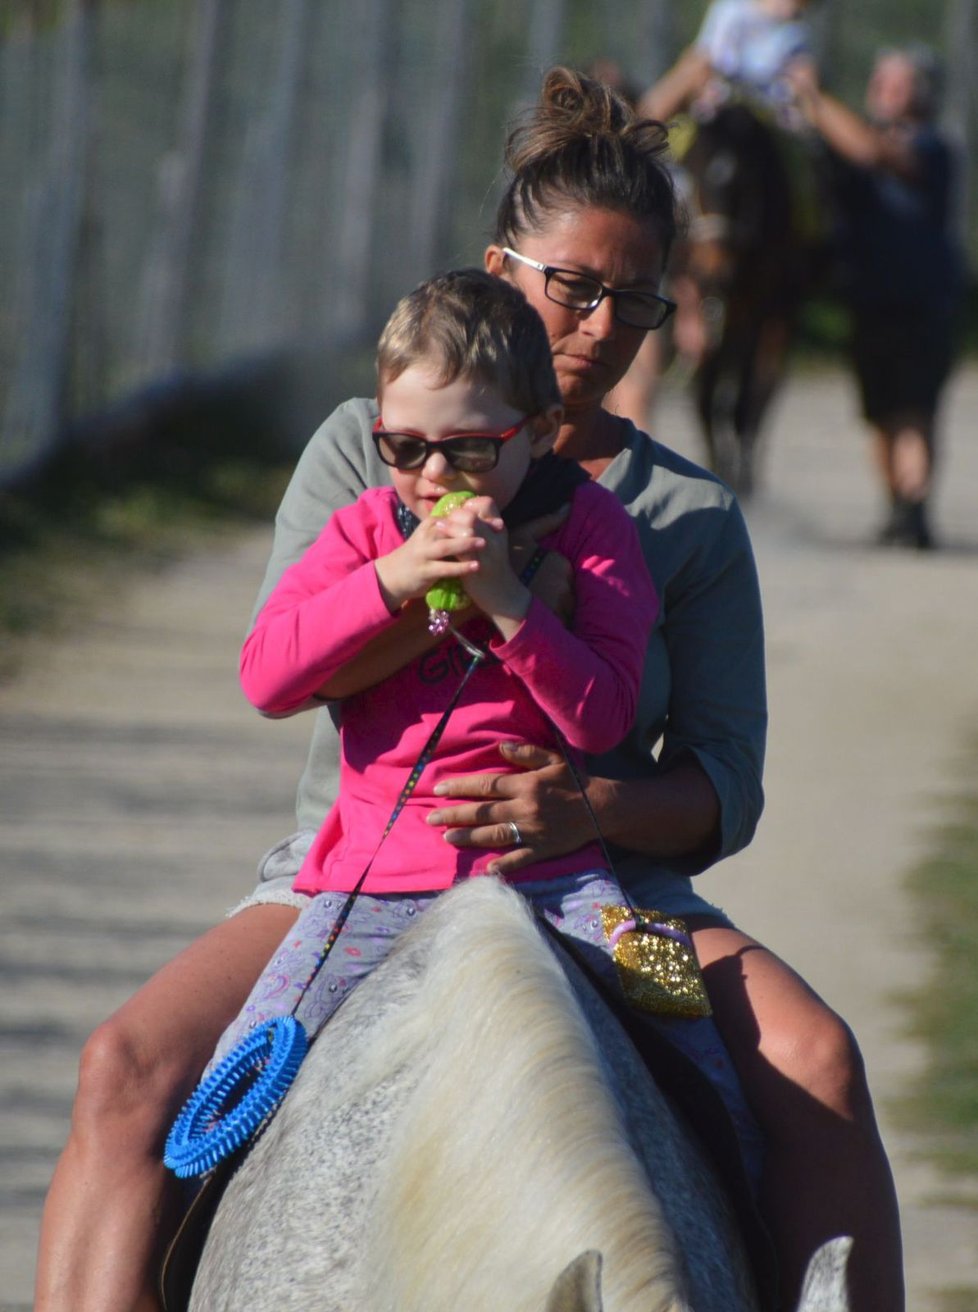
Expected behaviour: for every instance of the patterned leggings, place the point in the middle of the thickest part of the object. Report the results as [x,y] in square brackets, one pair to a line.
[572,904]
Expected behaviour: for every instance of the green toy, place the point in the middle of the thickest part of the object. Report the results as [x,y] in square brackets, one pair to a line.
[447,595]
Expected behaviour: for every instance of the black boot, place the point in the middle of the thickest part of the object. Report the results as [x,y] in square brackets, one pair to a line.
[906,526]
[918,529]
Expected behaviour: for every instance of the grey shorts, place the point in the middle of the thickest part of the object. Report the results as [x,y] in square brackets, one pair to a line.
[648,886]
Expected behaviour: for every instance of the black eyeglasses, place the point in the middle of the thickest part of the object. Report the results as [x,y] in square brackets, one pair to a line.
[469,453]
[578,291]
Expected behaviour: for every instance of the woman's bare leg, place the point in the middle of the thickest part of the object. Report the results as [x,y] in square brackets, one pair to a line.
[105,1218]
[826,1172]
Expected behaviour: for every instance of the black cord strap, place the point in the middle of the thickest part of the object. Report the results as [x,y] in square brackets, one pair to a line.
[427,752]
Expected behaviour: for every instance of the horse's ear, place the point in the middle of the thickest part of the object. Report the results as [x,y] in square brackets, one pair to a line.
[826,1288]
[578,1287]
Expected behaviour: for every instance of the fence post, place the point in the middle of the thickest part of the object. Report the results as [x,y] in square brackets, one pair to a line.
[546,37]
[53,218]
[254,304]
[437,138]
[166,278]
[361,190]
[655,42]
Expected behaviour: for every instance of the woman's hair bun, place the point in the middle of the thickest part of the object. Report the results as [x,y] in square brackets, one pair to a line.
[582,143]
[571,107]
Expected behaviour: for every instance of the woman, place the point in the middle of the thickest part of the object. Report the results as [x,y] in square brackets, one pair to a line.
[584,230]
[904,275]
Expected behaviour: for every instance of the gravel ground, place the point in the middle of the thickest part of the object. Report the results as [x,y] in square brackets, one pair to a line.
[140,790]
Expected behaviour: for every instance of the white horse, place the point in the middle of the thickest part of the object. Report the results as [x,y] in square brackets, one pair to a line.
[473,1130]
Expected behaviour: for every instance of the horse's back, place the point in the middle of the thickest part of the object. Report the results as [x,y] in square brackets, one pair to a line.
[458,1137]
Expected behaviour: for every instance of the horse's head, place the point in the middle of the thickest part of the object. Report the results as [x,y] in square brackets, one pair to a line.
[738,195]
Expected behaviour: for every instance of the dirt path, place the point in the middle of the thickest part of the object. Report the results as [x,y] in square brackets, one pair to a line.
[139,790]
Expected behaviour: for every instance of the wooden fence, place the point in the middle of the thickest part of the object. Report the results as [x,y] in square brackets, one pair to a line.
[191,183]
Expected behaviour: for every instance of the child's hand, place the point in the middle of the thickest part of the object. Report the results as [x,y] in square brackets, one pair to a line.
[493,584]
[433,551]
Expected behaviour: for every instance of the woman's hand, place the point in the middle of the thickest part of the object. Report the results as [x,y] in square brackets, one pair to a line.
[801,76]
[543,801]
[672,814]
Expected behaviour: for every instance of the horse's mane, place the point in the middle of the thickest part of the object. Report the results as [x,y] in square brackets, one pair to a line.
[524,1140]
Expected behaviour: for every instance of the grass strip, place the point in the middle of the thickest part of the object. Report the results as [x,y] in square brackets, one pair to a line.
[942,1108]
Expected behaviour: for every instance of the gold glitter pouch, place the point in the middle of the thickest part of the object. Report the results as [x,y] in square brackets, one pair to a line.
[656,963]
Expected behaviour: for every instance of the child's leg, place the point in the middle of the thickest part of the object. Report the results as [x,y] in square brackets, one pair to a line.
[573,906]
[111,1197]
[367,936]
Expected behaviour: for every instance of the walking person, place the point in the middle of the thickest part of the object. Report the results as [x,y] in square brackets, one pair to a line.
[902,270]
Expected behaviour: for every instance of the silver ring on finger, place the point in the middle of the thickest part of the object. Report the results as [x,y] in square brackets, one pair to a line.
[515,837]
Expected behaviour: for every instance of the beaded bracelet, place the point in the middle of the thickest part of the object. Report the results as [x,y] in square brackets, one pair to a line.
[532,565]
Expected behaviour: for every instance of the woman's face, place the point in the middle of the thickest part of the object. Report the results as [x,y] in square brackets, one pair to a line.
[591,348]
[892,91]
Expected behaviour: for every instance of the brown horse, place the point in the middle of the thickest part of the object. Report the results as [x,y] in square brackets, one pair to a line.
[751,266]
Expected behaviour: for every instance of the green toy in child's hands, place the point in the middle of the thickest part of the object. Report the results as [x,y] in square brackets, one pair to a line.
[447,595]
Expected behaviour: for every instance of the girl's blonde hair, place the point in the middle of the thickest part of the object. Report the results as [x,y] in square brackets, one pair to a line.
[470,324]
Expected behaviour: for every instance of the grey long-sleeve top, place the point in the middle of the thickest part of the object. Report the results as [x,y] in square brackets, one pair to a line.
[703,690]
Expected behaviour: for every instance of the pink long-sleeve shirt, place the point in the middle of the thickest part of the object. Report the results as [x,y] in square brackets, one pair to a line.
[584,680]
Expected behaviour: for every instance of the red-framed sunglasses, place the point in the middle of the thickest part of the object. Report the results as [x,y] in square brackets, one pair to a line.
[469,453]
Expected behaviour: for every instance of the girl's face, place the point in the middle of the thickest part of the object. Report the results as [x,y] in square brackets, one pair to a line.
[591,348]
[419,404]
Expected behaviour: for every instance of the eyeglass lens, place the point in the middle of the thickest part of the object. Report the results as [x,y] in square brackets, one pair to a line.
[578,292]
[472,455]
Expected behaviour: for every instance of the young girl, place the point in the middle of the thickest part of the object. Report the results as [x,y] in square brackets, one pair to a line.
[750,44]
[469,402]
[755,43]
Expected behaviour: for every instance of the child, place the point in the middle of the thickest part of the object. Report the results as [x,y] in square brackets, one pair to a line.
[469,401]
[744,48]
[755,42]
[747,43]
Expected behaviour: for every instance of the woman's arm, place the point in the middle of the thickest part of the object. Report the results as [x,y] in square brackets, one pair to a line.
[702,798]
[850,135]
[668,816]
